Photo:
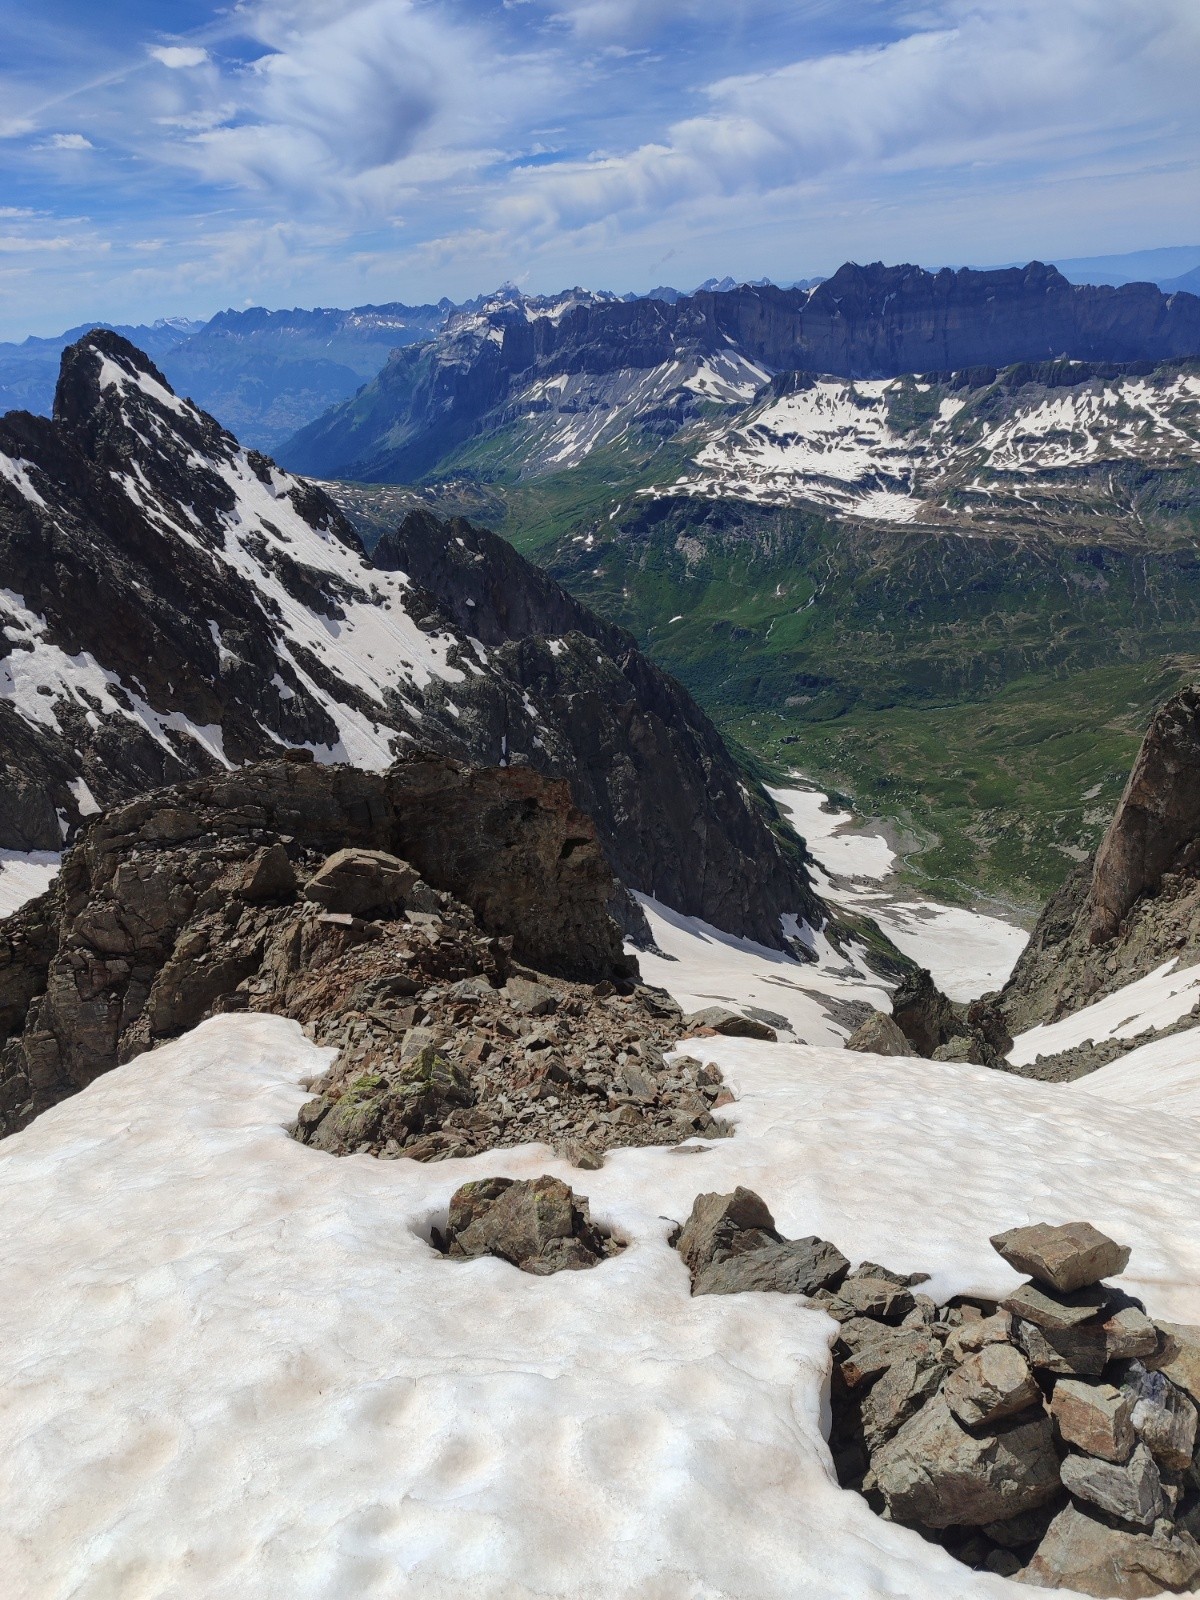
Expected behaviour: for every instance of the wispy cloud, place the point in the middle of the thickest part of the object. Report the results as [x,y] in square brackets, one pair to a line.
[177,56]
[67,141]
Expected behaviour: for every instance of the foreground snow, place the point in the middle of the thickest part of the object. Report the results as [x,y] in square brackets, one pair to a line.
[232,1367]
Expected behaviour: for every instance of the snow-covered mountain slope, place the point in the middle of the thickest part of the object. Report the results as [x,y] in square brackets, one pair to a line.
[974,449]
[172,604]
[523,387]
[248,1372]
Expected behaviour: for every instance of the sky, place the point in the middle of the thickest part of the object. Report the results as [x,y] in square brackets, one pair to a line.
[173,157]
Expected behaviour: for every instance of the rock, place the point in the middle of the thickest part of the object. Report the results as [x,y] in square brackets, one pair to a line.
[963,1047]
[1163,1417]
[876,1297]
[934,1473]
[795,1266]
[879,1035]
[722,1225]
[541,1226]
[1080,1352]
[911,1378]
[1095,1417]
[1084,1554]
[923,1014]
[1131,1490]
[362,883]
[269,875]
[732,1023]
[971,1336]
[1066,1257]
[1129,1333]
[1054,1312]
[992,1384]
[530,998]
[1180,1357]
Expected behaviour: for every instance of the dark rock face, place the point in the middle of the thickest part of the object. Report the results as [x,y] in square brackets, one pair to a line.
[576,698]
[166,907]
[871,321]
[174,605]
[1136,904]
[730,1246]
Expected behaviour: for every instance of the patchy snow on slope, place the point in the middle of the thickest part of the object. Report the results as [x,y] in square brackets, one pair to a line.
[1155,1001]
[967,951]
[24,874]
[247,1374]
[17,473]
[700,966]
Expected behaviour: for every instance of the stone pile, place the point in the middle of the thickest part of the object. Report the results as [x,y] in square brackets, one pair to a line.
[1050,1436]
[540,1225]
[447,1047]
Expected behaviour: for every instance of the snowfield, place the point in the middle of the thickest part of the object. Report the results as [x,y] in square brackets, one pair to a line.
[233,1367]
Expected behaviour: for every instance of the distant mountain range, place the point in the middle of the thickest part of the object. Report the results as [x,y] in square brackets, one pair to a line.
[538,384]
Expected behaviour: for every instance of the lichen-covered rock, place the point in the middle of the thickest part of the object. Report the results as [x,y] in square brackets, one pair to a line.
[541,1226]
[936,1474]
[1065,1257]
[1163,1417]
[1082,1553]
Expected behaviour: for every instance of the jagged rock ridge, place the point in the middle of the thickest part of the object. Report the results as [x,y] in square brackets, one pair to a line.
[175,605]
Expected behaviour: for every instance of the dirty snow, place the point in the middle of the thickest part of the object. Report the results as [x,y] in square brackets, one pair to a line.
[248,1375]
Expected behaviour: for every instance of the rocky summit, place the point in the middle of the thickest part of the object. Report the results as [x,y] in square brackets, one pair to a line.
[174,605]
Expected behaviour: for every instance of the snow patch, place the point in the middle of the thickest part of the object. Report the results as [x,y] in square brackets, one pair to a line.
[24,874]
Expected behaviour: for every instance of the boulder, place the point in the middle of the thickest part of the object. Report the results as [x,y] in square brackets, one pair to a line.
[269,875]
[1054,1312]
[529,997]
[972,1336]
[732,1023]
[362,883]
[1179,1358]
[1131,1490]
[541,1225]
[990,1385]
[1095,1417]
[879,1035]
[1065,1257]
[876,1297]
[1129,1334]
[794,1266]
[722,1225]
[936,1474]
[1088,1556]
[1163,1417]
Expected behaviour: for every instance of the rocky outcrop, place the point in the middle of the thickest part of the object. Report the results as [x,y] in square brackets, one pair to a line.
[178,904]
[730,1245]
[880,1035]
[174,605]
[865,321]
[1136,904]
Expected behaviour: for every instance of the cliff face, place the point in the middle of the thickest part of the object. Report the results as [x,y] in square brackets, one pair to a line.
[864,322]
[173,605]
[1136,904]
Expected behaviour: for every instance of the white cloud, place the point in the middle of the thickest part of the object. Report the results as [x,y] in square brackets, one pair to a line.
[993,81]
[67,141]
[179,55]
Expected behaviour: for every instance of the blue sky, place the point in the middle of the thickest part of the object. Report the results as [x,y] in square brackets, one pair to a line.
[172,158]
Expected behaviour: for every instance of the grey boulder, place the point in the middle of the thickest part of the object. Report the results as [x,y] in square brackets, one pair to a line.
[1131,1490]
[794,1266]
[879,1035]
[1088,1556]
[990,1385]
[1064,1257]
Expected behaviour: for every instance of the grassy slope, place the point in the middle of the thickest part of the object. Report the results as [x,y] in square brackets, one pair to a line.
[986,693]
